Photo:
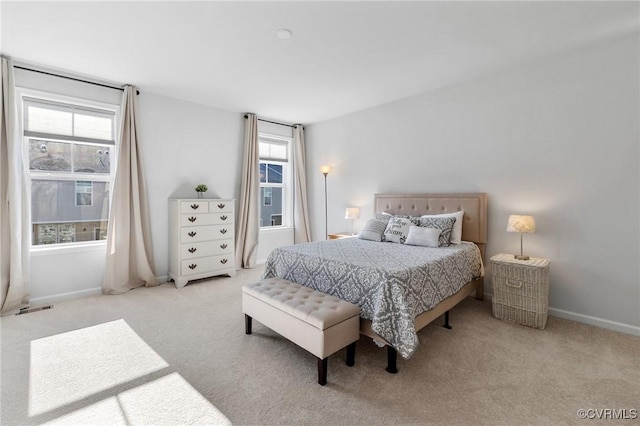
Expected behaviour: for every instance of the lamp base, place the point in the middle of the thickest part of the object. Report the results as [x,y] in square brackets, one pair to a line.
[521,257]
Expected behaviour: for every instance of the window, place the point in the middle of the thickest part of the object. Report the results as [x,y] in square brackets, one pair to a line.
[275,181]
[68,147]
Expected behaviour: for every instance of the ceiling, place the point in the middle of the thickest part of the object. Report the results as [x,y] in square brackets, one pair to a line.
[343,56]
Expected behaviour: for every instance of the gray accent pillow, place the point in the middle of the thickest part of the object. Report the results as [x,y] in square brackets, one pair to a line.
[420,236]
[373,230]
[444,224]
[397,230]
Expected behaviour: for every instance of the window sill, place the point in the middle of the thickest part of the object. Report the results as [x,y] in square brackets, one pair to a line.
[275,228]
[68,248]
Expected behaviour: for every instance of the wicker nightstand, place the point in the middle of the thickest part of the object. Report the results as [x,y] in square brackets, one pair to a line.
[520,290]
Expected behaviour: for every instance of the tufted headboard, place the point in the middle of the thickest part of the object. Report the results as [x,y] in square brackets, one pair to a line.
[474,226]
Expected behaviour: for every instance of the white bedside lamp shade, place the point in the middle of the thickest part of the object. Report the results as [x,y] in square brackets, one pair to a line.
[523,224]
[352,213]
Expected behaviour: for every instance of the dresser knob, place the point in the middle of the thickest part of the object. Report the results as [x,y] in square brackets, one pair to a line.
[223,217]
[193,266]
[223,231]
[192,219]
[223,246]
[192,234]
[192,250]
[223,261]
[195,206]
[221,206]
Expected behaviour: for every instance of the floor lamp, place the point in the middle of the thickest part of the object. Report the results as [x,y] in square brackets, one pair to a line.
[325,171]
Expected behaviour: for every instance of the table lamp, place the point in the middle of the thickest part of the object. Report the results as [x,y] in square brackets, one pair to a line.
[351,214]
[524,225]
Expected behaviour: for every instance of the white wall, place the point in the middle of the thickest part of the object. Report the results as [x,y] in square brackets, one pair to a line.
[184,144]
[557,139]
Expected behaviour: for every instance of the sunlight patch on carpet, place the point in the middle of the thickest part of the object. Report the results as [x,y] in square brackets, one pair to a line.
[68,367]
[169,400]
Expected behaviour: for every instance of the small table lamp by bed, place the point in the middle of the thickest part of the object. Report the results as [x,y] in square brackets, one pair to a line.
[524,225]
[351,214]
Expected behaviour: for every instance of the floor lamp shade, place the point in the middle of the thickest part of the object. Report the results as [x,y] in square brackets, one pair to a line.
[523,224]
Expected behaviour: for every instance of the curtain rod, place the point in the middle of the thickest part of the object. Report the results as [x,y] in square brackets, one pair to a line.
[272,122]
[73,78]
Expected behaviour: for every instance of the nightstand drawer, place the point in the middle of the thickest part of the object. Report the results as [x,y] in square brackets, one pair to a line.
[519,272]
[516,293]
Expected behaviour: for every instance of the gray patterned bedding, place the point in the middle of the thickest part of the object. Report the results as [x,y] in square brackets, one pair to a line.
[392,283]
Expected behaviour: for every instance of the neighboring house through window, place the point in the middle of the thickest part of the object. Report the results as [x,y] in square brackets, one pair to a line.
[70,150]
[275,181]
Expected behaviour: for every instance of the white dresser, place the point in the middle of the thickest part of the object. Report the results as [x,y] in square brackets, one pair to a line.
[201,239]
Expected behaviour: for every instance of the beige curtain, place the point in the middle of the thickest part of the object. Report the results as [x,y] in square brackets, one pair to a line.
[129,252]
[15,211]
[248,230]
[301,232]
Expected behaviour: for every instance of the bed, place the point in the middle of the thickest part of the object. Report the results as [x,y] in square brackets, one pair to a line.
[400,288]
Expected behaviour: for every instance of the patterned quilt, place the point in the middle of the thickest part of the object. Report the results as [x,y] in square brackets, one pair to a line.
[392,283]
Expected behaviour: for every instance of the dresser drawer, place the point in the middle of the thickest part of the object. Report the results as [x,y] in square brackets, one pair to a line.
[190,234]
[206,248]
[194,207]
[206,264]
[206,219]
[221,207]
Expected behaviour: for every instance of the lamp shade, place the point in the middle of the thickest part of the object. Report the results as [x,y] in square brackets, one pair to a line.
[352,213]
[521,223]
[325,169]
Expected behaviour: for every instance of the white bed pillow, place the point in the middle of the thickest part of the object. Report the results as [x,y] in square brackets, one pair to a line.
[426,237]
[397,230]
[456,231]
[373,230]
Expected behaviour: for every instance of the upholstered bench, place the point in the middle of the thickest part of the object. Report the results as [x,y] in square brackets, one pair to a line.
[320,323]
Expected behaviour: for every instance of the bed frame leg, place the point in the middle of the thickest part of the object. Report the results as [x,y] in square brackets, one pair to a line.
[351,354]
[446,321]
[247,324]
[392,356]
[480,289]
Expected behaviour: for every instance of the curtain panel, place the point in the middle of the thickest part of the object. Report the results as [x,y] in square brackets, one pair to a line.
[129,252]
[248,230]
[15,214]
[302,231]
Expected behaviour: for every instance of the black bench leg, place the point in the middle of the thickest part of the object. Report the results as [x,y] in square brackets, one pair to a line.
[446,321]
[351,354]
[247,324]
[322,371]
[392,356]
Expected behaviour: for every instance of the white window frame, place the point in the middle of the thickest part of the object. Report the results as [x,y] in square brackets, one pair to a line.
[21,94]
[287,179]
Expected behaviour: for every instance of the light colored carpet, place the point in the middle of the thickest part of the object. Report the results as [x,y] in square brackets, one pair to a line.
[180,356]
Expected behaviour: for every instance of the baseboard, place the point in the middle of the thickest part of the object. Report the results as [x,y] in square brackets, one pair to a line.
[46,300]
[598,322]
[587,319]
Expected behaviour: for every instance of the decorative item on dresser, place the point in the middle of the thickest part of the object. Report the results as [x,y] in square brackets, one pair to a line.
[520,289]
[201,239]
[201,189]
